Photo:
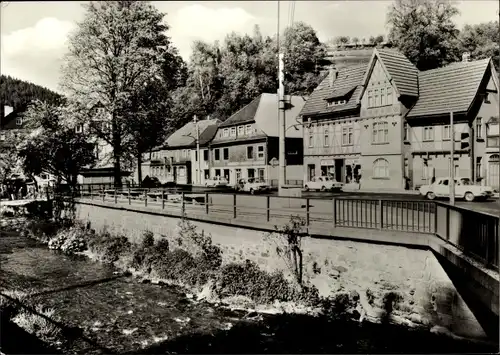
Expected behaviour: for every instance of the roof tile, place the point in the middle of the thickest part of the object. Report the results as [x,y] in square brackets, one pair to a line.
[348,78]
[450,88]
[401,70]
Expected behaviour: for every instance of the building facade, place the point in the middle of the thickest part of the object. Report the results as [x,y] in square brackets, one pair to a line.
[332,127]
[393,127]
[177,160]
[247,145]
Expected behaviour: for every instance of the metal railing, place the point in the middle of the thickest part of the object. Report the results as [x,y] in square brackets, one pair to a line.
[473,232]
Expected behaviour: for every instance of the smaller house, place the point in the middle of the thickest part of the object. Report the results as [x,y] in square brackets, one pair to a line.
[173,161]
[246,145]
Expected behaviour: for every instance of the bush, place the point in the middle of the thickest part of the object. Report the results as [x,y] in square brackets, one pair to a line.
[200,245]
[71,240]
[43,229]
[109,247]
[148,239]
[248,280]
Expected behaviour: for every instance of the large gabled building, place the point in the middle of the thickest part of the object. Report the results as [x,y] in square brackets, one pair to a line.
[394,129]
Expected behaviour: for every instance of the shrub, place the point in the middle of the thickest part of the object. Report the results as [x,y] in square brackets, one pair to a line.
[199,244]
[148,239]
[248,280]
[38,325]
[109,247]
[43,229]
[71,240]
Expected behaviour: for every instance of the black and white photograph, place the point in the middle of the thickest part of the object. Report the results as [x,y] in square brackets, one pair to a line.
[249,177]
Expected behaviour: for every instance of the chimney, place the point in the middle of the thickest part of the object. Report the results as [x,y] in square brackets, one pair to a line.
[332,74]
[466,57]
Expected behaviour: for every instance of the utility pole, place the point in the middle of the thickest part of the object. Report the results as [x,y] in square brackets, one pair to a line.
[452,161]
[198,160]
[282,123]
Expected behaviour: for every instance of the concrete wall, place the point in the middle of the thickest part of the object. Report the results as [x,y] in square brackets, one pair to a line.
[427,294]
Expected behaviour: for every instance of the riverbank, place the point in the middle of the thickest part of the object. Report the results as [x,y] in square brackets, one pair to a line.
[110,312]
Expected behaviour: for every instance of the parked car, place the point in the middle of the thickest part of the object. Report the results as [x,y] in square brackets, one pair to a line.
[216,182]
[323,183]
[252,185]
[464,188]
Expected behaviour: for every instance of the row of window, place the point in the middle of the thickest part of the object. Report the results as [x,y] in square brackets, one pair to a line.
[225,153]
[380,135]
[380,97]
[242,130]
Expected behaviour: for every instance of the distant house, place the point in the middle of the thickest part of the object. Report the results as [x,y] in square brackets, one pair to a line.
[247,143]
[103,171]
[174,161]
[12,122]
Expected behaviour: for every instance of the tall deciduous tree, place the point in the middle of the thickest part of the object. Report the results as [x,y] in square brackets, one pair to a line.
[116,50]
[304,57]
[481,41]
[52,146]
[424,31]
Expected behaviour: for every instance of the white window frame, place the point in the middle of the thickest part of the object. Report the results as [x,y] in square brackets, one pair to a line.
[380,132]
[19,121]
[260,151]
[383,98]
[79,128]
[428,134]
[215,155]
[479,128]
[389,95]
[370,98]
[225,132]
[381,168]
[376,96]
[233,131]
[326,137]
[248,129]
[406,132]
[347,136]
[311,140]
[241,130]
[253,152]
[446,132]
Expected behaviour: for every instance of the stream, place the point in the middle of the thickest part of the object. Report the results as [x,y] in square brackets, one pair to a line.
[103,311]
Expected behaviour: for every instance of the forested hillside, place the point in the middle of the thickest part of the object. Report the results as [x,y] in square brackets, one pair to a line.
[16,93]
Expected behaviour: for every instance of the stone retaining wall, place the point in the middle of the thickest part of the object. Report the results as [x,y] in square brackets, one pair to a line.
[424,295]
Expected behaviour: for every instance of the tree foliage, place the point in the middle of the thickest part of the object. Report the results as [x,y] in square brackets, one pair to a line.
[481,41]
[53,147]
[223,77]
[18,93]
[118,50]
[424,31]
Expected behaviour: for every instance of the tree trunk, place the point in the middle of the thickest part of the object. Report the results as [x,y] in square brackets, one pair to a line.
[117,174]
[117,145]
[139,168]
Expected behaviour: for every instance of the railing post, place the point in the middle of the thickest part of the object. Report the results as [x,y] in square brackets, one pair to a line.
[145,198]
[307,212]
[334,212]
[268,207]
[116,197]
[381,213]
[162,199]
[234,205]
[103,194]
[206,202]
[129,197]
[447,222]
[183,205]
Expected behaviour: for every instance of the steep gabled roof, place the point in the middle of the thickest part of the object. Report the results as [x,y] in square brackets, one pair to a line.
[348,79]
[244,115]
[450,88]
[400,71]
[185,136]
[263,111]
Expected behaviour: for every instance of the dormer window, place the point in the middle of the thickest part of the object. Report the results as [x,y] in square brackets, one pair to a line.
[336,103]
[225,133]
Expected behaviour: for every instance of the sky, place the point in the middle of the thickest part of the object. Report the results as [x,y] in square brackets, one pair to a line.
[33,34]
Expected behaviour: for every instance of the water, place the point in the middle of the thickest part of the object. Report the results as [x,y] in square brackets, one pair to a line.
[109,313]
